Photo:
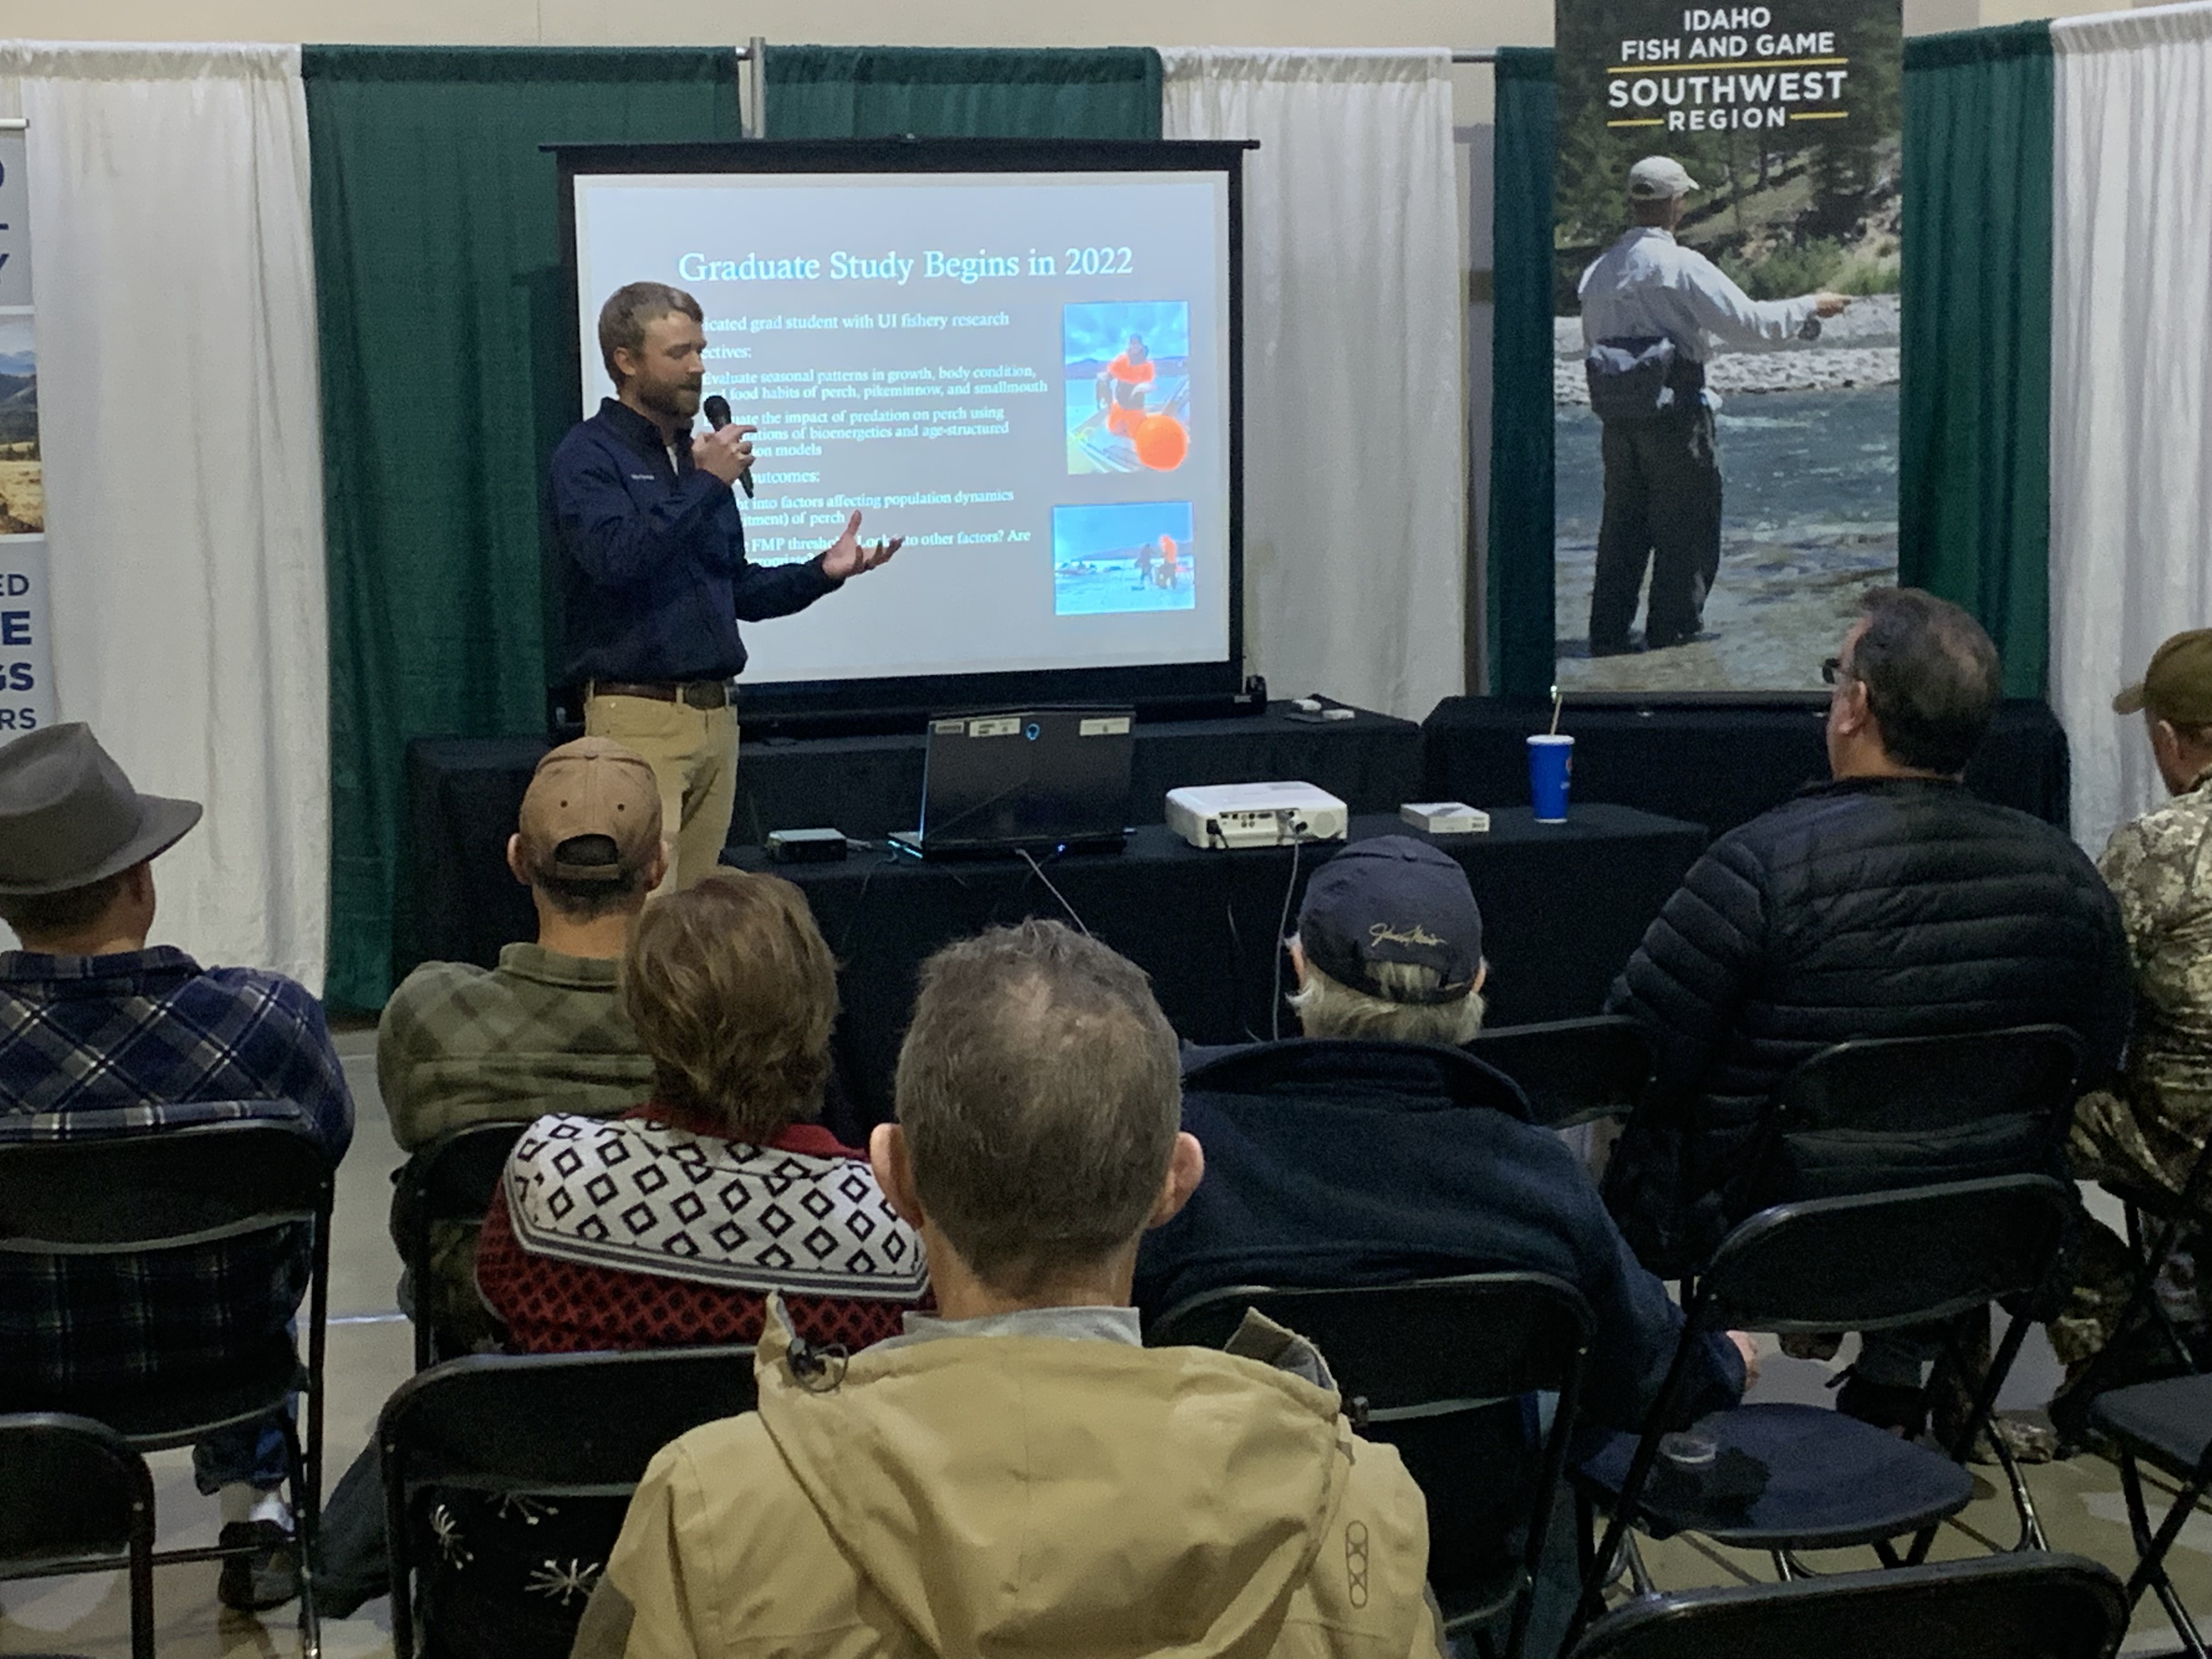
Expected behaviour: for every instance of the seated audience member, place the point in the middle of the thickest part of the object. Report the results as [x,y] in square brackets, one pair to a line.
[672,1224]
[2149,1131]
[101,1034]
[1886,902]
[544,1030]
[1372,1150]
[1017,1474]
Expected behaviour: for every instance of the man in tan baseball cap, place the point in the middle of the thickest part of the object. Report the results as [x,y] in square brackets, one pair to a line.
[543,1031]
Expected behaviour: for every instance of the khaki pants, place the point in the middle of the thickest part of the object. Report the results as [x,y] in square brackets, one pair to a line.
[693,755]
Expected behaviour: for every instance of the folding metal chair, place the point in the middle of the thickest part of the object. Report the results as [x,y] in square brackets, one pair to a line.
[1574,1072]
[1810,1478]
[172,1189]
[2151,1247]
[1442,1368]
[448,1183]
[73,1497]
[1955,1107]
[542,1425]
[2168,1425]
[2031,1606]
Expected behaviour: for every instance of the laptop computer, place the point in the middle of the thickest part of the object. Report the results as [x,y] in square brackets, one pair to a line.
[1030,779]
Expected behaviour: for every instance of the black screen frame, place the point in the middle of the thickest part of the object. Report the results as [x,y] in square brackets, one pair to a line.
[907,700]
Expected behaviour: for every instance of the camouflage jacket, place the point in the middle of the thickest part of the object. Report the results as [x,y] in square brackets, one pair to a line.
[2160,868]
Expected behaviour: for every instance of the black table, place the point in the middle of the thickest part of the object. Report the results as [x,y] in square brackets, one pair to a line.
[464,794]
[1563,906]
[1720,765]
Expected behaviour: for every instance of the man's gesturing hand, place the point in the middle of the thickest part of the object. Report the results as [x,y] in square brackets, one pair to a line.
[725,454]
[848,555]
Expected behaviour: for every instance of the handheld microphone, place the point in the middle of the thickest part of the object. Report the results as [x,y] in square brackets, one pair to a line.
[716,408]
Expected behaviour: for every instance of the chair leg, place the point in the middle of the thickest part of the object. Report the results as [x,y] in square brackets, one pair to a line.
[2150,1570]
[1784,1569]
[2023,1501]
[142,1568]
[305,1541]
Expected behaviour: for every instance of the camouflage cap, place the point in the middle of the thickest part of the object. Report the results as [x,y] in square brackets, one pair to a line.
[2177,685]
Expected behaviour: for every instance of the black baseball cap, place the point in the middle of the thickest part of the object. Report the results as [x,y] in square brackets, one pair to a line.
[1392,899]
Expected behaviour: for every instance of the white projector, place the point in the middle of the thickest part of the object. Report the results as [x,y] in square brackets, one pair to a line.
[1255,814]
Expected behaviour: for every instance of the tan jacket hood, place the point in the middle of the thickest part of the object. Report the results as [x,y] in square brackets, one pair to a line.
[1046,1496]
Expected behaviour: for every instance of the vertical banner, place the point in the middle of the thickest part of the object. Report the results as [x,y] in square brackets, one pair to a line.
[1727,245]
[26,694]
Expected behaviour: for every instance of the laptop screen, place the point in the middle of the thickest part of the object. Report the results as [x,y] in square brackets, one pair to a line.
[1034,777]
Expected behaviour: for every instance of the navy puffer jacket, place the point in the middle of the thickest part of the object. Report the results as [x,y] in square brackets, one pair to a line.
[1865,907]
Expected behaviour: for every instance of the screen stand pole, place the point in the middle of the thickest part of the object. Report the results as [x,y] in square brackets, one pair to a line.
[755,114]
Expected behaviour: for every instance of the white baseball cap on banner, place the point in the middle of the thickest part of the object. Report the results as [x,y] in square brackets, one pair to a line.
[1660,178]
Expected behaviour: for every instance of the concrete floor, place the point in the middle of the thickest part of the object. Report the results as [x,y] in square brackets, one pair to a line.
[370,1355]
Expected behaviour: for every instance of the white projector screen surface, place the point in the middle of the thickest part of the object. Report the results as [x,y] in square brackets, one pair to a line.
[1026,375]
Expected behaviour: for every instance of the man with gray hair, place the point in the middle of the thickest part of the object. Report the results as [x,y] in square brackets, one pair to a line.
[1374,1149]
[1018,1473]
[1653,311]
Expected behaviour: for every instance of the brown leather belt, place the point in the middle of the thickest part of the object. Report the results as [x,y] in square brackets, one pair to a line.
[695,694]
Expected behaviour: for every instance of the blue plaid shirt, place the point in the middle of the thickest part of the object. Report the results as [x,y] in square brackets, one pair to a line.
[137,1041]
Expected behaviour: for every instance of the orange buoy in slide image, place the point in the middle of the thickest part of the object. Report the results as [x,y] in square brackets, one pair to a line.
[1161,442]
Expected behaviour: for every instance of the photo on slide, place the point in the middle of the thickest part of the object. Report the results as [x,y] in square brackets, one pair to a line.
[1115,556]
[1128,365]
[22,488]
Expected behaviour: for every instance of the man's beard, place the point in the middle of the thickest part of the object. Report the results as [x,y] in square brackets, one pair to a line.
[676,402]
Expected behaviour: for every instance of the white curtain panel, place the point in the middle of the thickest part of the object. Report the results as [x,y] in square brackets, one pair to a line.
[2131,380]
[1354,434]
[176,325]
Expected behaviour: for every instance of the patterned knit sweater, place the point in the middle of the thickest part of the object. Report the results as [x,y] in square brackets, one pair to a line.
[645,1232]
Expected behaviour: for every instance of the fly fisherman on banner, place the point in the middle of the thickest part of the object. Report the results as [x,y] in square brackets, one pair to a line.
[1653,311]
[654,570]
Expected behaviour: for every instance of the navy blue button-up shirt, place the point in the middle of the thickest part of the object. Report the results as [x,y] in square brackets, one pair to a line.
[652,556]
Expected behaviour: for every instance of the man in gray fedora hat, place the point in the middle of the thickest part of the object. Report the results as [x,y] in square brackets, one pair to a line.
[101,1034]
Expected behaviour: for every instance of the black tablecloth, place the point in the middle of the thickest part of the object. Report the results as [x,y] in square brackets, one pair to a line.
[1563,905]
[464,794]
[1720,766]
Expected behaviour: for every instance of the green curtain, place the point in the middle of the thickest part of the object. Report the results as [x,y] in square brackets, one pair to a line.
[871,92]
[438,294]
[1520,576]
[1974,468]
[1973,490]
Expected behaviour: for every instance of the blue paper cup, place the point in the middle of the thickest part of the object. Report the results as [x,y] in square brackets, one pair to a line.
[1551,760]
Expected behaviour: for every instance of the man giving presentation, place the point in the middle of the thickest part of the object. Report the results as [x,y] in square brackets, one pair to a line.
[654,572]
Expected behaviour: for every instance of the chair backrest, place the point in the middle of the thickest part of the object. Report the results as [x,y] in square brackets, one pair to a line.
[575,1426]
[2022,1606]
[450,1182]
[1881,1260]
[1473,1339]
[1573,1071]
[160,1189]
[1954,1107]
[70,1488]
[452,1178]
[1442,1370]
[579,1425]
